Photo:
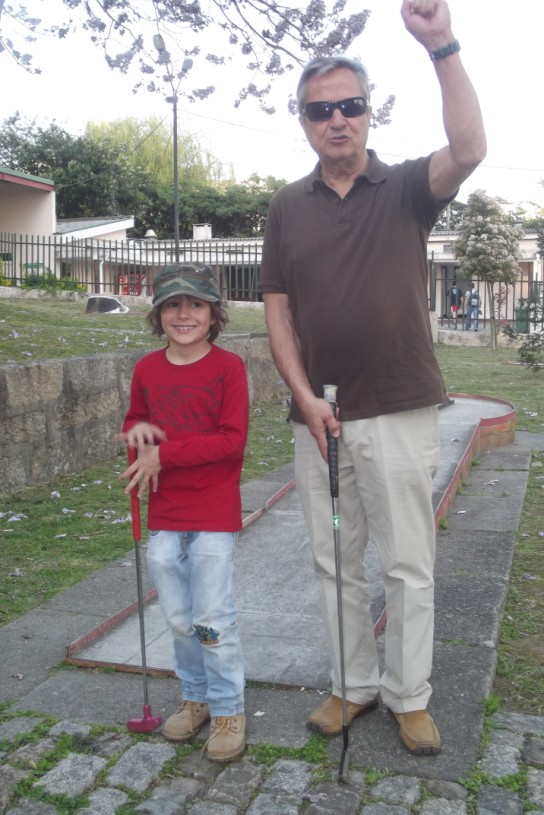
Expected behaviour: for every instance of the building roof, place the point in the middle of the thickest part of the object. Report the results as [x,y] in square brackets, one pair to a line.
[69,226]
[25,179]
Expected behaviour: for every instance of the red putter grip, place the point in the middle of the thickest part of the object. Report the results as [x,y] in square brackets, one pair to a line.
[134,500]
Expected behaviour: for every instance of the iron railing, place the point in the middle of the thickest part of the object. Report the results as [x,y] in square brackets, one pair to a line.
[128,267]
[518,306]
[125,267]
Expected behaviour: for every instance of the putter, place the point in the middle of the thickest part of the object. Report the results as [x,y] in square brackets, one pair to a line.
[148,722]
[329,394]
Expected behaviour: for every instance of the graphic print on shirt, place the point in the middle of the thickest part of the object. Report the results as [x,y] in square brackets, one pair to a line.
[186,408]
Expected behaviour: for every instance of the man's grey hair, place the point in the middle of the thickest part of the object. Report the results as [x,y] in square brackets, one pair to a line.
[324,65]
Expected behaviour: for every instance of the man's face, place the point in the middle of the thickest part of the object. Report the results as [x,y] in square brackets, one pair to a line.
[338,139]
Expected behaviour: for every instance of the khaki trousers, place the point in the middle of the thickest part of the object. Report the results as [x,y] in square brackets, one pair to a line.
[386,467]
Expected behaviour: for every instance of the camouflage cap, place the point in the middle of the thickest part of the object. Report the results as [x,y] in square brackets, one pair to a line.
[193,279]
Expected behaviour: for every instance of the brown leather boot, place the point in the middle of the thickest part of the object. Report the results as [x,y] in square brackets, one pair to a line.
[327,718]
[419,733]
[186,721]
[227,738]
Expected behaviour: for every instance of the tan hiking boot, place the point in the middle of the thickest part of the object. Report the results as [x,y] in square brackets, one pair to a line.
[186,721]
[419,733]
[227,737]
[327,718]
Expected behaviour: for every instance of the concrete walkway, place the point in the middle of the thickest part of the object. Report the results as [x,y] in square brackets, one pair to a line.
[286,659]
[276,591]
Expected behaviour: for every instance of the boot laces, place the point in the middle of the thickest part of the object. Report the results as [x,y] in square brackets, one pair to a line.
[219,725]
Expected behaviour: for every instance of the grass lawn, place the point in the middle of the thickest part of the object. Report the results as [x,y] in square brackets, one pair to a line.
[33,330]
[53,536]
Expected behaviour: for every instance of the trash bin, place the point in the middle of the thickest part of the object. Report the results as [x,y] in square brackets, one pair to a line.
[522,320]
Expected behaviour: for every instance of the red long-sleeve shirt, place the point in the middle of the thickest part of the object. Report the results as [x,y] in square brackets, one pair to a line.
[203,408]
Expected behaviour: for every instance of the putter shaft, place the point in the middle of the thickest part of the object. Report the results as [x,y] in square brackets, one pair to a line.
[329,392]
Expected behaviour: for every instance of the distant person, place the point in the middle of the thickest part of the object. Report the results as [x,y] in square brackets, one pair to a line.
[188,420]
[344,278]
[472,307]
[456,298]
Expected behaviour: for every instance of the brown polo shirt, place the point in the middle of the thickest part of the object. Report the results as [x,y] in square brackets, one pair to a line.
[355,272]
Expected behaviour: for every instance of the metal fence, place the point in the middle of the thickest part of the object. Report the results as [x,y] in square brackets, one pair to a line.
[124,267]
[519,306]
[128,267]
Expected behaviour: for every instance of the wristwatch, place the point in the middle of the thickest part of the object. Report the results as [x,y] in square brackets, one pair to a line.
[452,47]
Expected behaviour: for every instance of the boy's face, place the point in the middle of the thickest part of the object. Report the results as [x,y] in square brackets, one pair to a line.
[186,322]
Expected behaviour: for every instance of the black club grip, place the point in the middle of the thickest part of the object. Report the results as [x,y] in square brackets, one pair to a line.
[329,395]
[332,453]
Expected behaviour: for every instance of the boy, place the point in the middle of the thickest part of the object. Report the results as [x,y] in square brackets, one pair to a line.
[188,420]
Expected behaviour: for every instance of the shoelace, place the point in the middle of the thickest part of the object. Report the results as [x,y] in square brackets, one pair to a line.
[220,724]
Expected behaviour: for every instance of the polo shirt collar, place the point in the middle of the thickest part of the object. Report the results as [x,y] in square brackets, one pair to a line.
[376,172]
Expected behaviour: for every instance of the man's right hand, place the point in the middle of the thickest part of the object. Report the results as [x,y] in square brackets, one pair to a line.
[319,418]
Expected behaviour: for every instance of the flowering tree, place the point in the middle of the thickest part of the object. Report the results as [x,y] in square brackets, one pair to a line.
[488,249]
[270,38]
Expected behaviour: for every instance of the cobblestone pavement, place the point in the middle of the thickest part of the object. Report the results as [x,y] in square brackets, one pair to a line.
[96,771]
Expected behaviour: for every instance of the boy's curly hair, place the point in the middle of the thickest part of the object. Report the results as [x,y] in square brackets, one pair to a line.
[218,314]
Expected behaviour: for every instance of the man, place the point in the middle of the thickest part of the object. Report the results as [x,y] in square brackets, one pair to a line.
[472,307]
[343,257]
[456,296]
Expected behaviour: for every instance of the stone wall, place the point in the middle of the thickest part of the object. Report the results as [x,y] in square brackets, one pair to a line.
[61,415]
[477,339]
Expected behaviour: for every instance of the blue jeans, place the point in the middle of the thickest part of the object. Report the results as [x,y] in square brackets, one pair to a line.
[472,313]
[193,573]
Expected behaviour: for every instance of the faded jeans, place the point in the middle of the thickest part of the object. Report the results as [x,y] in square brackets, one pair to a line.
[193,573]
[472,314]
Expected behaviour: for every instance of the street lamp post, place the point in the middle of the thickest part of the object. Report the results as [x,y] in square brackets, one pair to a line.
[164,59]
[176,178]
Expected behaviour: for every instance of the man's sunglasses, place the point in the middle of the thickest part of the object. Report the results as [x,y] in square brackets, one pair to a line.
[323,111]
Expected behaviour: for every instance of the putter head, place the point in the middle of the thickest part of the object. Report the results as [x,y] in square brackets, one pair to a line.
[145,725]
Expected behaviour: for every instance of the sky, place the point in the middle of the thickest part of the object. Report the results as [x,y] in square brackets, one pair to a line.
[501,44]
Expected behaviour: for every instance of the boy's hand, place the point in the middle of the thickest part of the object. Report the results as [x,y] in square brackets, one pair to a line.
[142,434]
[144,471]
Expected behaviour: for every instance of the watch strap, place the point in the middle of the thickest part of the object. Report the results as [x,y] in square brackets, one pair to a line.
[452,47]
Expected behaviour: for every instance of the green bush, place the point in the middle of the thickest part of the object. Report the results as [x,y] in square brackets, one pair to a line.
[47,280]
[4,281]
[531,350]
